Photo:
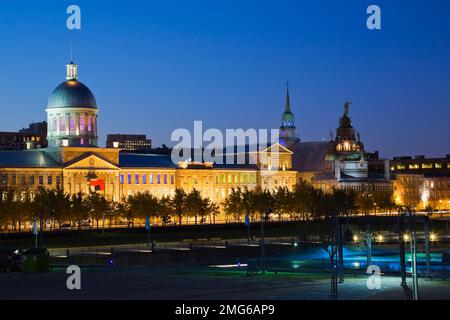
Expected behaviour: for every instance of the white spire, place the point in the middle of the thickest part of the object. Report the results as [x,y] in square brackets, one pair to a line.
[71,71]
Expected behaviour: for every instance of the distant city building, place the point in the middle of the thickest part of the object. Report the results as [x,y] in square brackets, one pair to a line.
[33,137]
[129,142]
[342,161]
[422,182]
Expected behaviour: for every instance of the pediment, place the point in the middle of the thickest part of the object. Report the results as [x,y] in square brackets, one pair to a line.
[91,162]
[273,147]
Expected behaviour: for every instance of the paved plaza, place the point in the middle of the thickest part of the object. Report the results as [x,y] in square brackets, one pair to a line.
[204,283]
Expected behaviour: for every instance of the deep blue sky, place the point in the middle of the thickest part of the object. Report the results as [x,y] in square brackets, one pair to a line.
[159,65]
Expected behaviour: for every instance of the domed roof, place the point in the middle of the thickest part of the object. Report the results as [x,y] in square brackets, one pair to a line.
[71,94]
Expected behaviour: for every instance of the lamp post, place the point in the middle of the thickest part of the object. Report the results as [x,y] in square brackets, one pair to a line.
[413,245]
[263,251]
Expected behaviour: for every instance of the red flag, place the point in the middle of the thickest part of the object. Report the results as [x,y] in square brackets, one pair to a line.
[97,184]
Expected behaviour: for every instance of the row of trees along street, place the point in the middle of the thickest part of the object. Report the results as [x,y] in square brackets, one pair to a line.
[55,207]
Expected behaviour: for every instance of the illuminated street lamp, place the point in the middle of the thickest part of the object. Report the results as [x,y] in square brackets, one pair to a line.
[406,237]
[380,238]
[355,238]
[433,236]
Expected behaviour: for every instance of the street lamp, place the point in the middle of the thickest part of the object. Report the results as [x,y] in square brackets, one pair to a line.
[433,236]
[403,210]
[380,238]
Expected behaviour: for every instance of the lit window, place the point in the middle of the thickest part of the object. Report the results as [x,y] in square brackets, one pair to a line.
[121,179]
[427,166]
[81,122]
[438,165]
[62,123]
[55,124]
[89,123]
[150,180]
[72,123]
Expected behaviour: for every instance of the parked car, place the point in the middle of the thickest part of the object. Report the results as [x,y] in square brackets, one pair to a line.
[10,259]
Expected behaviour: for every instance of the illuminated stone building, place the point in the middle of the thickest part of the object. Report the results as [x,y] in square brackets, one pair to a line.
[74,162]
[422,182]
[341,162]
[136,143]
[33,137]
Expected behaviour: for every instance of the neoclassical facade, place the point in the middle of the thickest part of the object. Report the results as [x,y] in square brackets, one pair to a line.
[74,162]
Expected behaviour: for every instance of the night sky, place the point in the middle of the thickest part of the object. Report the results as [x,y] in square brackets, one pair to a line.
[155,66]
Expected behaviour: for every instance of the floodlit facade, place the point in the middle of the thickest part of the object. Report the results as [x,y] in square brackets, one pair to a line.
[74,162]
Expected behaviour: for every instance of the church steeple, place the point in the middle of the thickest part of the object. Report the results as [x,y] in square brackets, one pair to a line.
[287,108]
[287,119]
[287,129]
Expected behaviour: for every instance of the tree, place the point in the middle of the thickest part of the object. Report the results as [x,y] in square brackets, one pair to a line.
[213,210]
[166,210]
[263,202]
[23,207]
[143,205]
[178,204]
[59,205]
[98,207]
[233,205]
[194,204]
[79,209]
[365,202]
[123,209]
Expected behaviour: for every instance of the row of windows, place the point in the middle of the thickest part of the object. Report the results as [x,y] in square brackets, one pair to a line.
[30,179]
[437,165]
[243,179]
[147,178]
[85,121]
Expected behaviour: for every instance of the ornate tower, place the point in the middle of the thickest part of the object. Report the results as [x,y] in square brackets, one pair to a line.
[346,151]
[288,137]
[72,113]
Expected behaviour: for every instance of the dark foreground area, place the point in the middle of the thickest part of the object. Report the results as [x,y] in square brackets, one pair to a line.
[205,283]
